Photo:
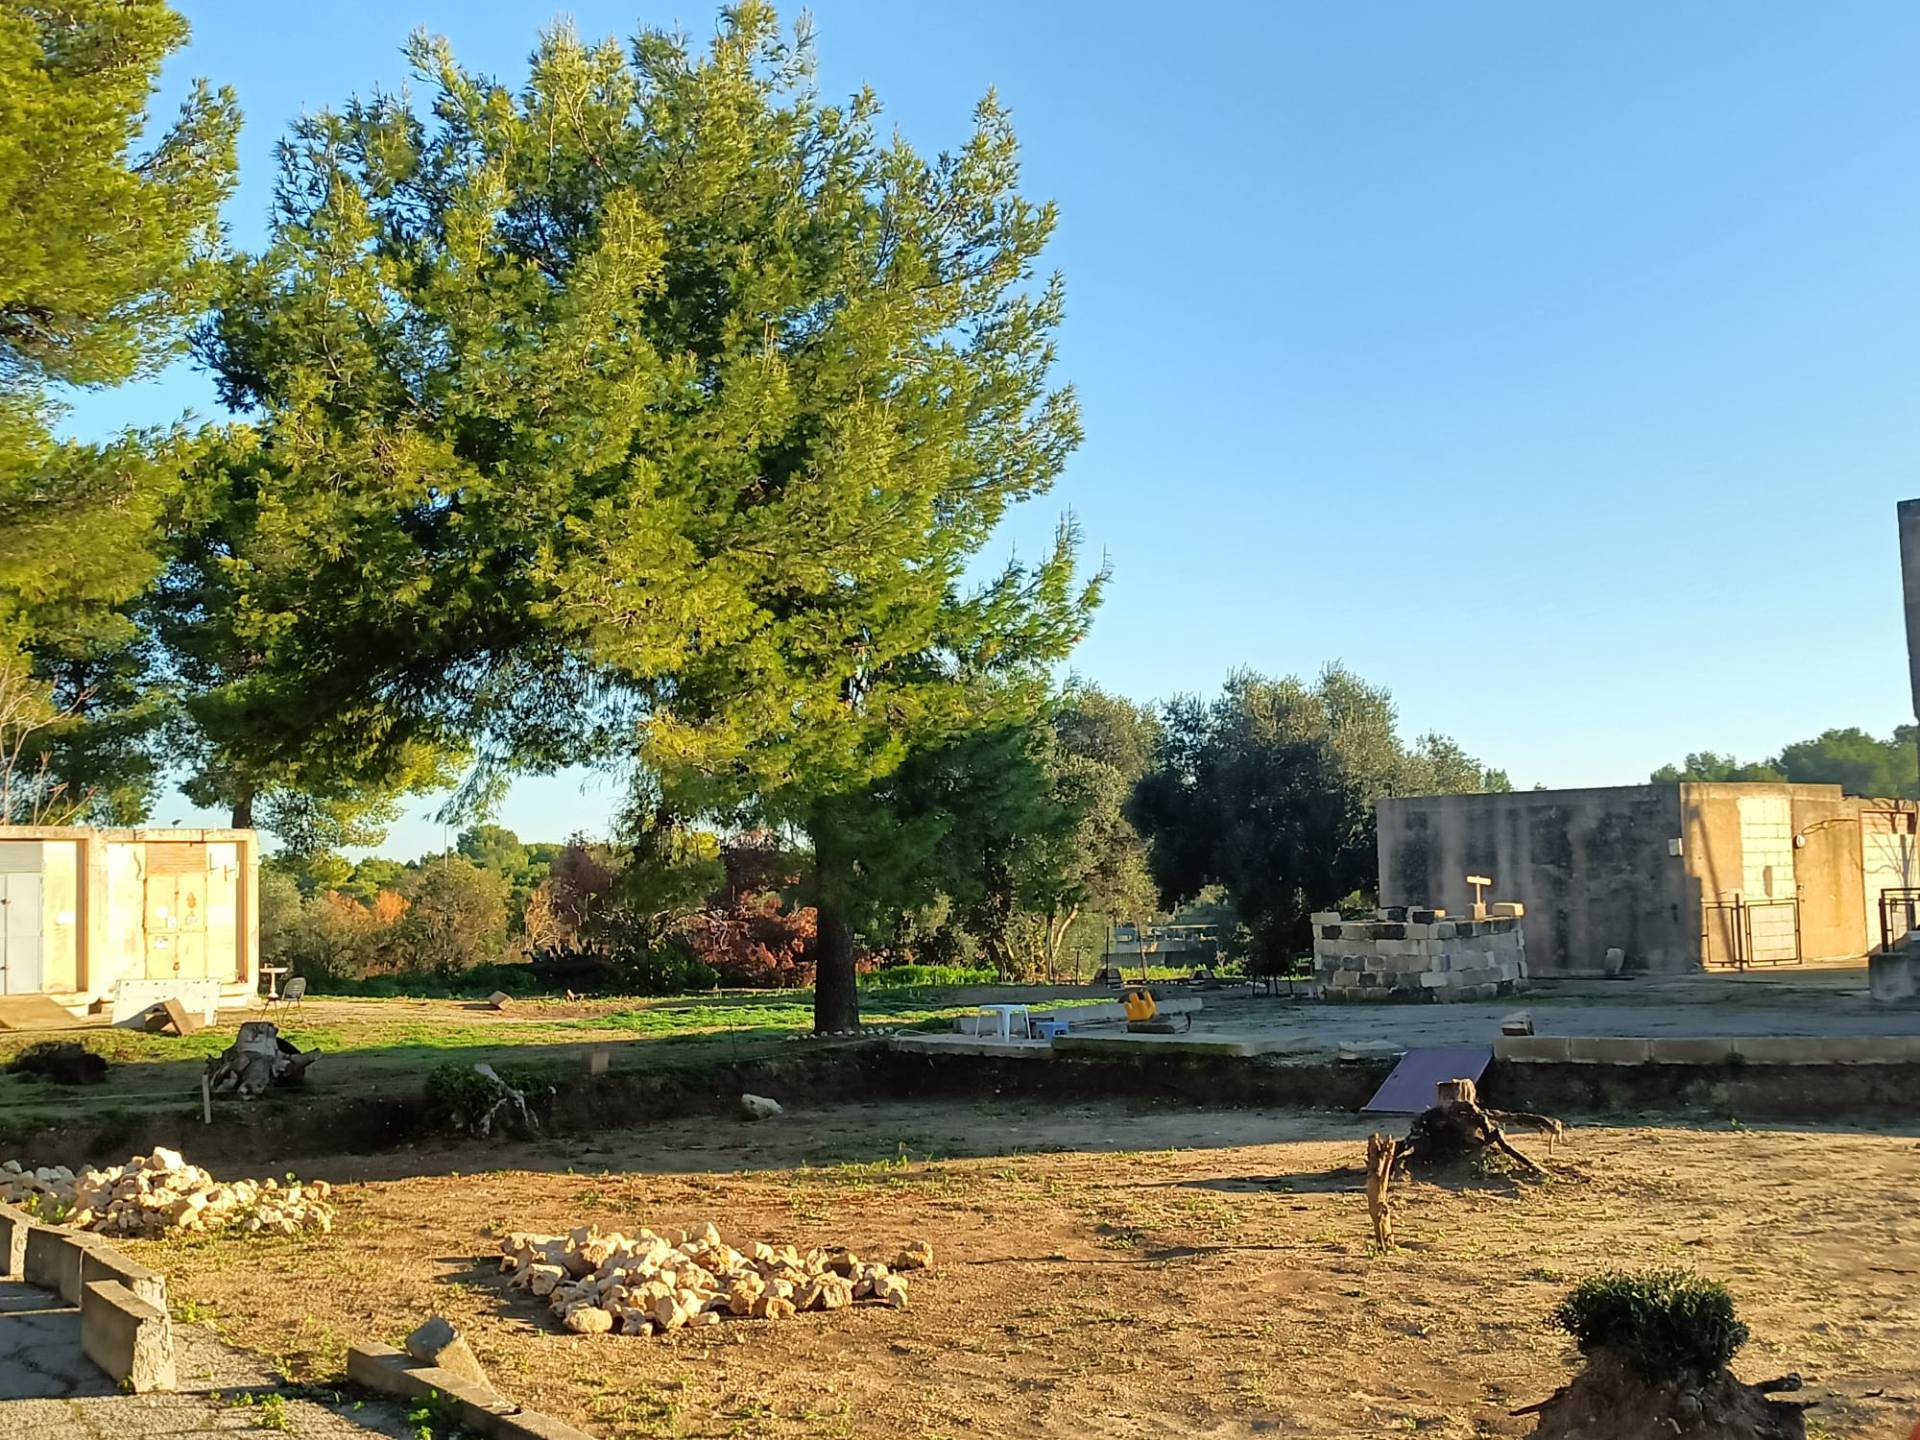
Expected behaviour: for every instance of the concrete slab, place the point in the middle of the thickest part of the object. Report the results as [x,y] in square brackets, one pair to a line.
[1709,1050]
[480,1409]
[1191,1042]
[1828,1049]
[948,1043]
[49,1390]
[1610,1050]
[1894,979]
[1370,1050]
[34,1012]
[53,1260]
[1079,1016]
[103,1262]
[1533,1049]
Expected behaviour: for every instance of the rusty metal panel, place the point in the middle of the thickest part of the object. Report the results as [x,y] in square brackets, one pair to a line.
[1409,1089]
[178,857]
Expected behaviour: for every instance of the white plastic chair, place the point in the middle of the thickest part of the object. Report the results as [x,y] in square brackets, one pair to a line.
[1001,1017]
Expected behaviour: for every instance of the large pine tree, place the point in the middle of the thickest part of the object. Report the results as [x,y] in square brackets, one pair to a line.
[105,231]
[658,393]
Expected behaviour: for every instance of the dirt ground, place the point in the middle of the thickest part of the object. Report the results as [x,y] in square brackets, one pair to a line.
[1112,1269]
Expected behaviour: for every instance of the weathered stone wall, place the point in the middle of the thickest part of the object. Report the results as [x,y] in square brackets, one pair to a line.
[1593,867]
[1414,954]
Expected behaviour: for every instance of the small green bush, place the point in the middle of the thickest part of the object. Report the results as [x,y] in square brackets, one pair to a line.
[457,1089]
[1664,1324]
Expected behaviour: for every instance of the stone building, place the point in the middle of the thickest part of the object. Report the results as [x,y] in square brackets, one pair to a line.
[87,913]
[1673,877]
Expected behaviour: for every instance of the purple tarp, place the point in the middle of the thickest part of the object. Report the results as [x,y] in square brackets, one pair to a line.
[1409,1089]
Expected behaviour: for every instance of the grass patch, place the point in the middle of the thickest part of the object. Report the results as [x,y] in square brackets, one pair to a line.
[382,1046]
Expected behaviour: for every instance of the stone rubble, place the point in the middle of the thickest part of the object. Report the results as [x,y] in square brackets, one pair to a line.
[599,1283]
[154,1194]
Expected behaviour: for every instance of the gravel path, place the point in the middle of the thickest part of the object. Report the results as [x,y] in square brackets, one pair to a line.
[49,1390]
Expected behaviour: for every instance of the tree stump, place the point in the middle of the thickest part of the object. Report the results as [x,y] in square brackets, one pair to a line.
[1608,1398]
[1456,1126]
[1381,1150]
[257,1059]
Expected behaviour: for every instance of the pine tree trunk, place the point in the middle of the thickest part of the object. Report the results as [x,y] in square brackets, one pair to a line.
[836,998]
[243,810]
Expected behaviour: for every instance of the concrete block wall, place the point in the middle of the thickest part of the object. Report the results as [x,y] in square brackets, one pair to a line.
[1410,953]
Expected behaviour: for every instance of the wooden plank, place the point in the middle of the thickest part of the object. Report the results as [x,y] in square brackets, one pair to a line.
[177,858]
[34,1012]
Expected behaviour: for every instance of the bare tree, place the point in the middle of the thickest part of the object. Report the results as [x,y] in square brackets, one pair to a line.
[30,793]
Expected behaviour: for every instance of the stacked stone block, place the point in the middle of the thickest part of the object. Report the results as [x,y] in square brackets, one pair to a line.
[1412,954]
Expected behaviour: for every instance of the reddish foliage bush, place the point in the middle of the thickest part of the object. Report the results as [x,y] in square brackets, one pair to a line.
[756,942]
[747,932]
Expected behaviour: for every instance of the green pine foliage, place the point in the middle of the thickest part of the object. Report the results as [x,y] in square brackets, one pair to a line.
[660,392]
[107,225]
[1664,1324]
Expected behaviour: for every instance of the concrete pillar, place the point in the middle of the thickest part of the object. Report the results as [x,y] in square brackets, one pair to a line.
[1909,515]
[246,902]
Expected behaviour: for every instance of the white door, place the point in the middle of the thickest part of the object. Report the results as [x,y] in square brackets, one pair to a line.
[19,934]
[1767,878]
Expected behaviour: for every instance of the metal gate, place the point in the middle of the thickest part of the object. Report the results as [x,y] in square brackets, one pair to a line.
[1899,914]
[1738,932]
[19,934]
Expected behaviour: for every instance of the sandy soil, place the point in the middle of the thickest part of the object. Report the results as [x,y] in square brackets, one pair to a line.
[1110,1270]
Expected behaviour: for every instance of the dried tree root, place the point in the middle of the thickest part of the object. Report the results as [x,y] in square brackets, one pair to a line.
[1381,1150]
[1456,1126]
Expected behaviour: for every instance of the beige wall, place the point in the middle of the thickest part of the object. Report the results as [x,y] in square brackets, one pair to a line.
[1890,858]
[1735,853]
[1593,867]
[60,914]
[94,904]
[1828,870]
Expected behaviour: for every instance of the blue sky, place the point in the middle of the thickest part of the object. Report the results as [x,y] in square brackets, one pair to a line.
[1556,366]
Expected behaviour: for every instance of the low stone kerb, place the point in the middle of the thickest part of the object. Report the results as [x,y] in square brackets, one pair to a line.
[480,1409]
[14,1225]
[103,1262]
[126,1337]
[53,1259]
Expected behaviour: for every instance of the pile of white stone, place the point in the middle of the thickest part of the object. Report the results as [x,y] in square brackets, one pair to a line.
[645,1284]
[158,1193]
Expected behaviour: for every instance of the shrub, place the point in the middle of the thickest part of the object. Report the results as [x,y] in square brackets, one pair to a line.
[455,918]
[64,1062]
[754,940]
[334,938]
[668,969]
[457,1089]
[913,977]
[1663,1324]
